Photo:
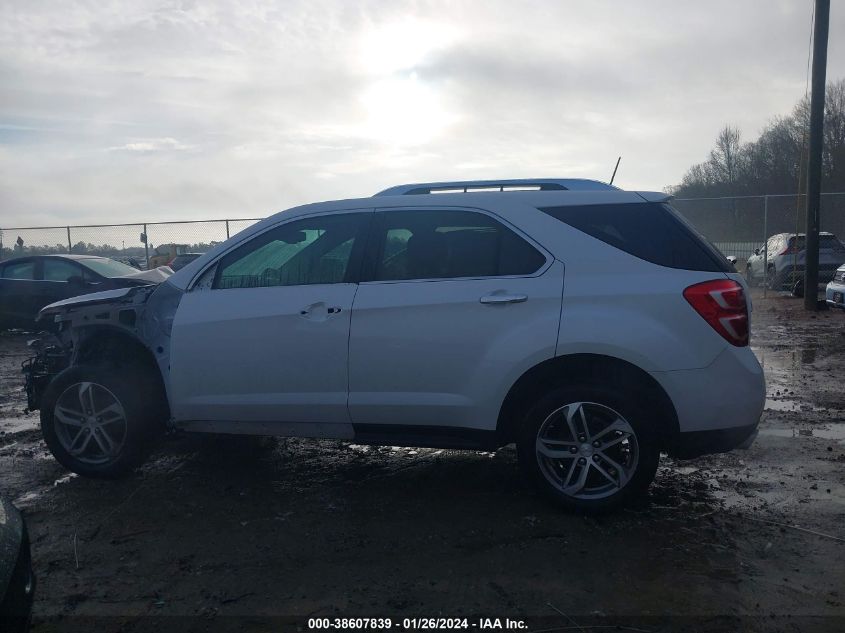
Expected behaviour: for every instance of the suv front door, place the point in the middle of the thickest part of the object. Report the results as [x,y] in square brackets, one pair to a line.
[267,343]
[455,307]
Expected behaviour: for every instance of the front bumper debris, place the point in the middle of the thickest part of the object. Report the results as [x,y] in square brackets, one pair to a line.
[39,370]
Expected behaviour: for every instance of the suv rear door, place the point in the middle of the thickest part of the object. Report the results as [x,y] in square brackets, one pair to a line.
[454,306]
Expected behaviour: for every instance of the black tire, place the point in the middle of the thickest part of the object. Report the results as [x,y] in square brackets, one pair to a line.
[626,406]
[137,392]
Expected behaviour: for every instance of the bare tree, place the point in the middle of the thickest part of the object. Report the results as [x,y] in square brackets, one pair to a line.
[724,158]
[772,163]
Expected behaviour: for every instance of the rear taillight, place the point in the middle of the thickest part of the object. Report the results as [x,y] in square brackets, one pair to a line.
[722,304]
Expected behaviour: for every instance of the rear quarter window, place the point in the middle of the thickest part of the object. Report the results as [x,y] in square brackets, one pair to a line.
[18,270]
[651,231]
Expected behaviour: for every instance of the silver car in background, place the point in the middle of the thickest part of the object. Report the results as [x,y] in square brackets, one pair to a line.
[780,261]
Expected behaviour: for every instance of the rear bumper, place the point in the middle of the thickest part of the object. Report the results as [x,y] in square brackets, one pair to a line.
[696,443]
[718,407]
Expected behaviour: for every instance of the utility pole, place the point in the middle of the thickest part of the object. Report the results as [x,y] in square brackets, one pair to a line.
[814,162]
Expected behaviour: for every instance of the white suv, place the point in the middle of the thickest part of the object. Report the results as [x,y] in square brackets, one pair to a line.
[591,326]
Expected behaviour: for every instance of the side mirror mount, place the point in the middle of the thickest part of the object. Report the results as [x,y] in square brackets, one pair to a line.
[297,237]
[756,251]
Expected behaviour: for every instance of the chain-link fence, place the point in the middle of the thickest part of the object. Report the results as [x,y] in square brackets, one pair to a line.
[142,245]
[736,225]
[739,225]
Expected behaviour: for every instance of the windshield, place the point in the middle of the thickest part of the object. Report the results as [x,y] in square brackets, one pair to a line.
[107,267]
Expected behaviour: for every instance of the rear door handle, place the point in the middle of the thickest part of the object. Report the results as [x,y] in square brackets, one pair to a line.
[495,298]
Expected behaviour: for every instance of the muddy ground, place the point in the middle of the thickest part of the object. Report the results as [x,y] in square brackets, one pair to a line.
[214,526]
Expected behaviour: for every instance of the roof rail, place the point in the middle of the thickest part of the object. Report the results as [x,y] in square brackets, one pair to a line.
[516,184]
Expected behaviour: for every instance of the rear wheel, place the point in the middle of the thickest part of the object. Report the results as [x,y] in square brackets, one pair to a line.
[589,448]
[99,422]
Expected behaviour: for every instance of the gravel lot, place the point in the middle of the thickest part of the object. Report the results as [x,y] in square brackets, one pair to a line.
[258,529]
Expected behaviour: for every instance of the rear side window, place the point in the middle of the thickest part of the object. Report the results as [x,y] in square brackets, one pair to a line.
[651,231]
[19,270]
[446,244]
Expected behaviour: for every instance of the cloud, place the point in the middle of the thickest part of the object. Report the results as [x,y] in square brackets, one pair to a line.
[152,145]
[168,109]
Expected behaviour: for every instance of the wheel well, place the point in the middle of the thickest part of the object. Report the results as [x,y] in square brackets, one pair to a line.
[593,368]
[120,350]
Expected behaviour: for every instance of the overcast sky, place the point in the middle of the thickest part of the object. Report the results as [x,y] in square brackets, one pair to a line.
[153,110]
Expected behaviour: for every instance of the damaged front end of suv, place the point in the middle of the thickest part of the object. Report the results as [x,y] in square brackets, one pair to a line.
[99,378]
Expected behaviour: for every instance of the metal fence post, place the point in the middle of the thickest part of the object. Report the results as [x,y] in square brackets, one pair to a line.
[69,243]
[147,246]
[227,229]
[765,244]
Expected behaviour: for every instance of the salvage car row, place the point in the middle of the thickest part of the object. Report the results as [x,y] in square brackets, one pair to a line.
[780,263]
[27,284]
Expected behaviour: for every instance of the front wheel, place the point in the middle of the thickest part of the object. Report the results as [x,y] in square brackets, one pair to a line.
[589,448]
[99,422]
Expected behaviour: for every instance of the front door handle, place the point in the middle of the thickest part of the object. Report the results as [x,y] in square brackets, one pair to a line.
[496,298]
[318,311]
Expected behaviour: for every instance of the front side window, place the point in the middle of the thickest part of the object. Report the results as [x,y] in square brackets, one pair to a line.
[304,252]
[59,270]
[423,244]
[19,270]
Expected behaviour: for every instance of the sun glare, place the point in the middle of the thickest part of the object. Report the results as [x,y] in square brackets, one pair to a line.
[401,108]
[404,111]
[404,45]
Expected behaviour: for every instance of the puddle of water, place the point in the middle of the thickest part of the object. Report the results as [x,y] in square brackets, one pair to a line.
[791,406]
[836,433]
[15,425]
[65,479]
[26,499]
[788,360]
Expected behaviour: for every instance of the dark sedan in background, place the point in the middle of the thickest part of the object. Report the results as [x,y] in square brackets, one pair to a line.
[17,583]
[27,284]
[180,261]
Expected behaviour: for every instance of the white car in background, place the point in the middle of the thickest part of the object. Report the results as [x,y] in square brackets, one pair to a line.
[835,290]
[593,327]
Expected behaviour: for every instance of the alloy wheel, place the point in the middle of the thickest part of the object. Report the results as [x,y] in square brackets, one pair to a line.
[90,423]
[587,450]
